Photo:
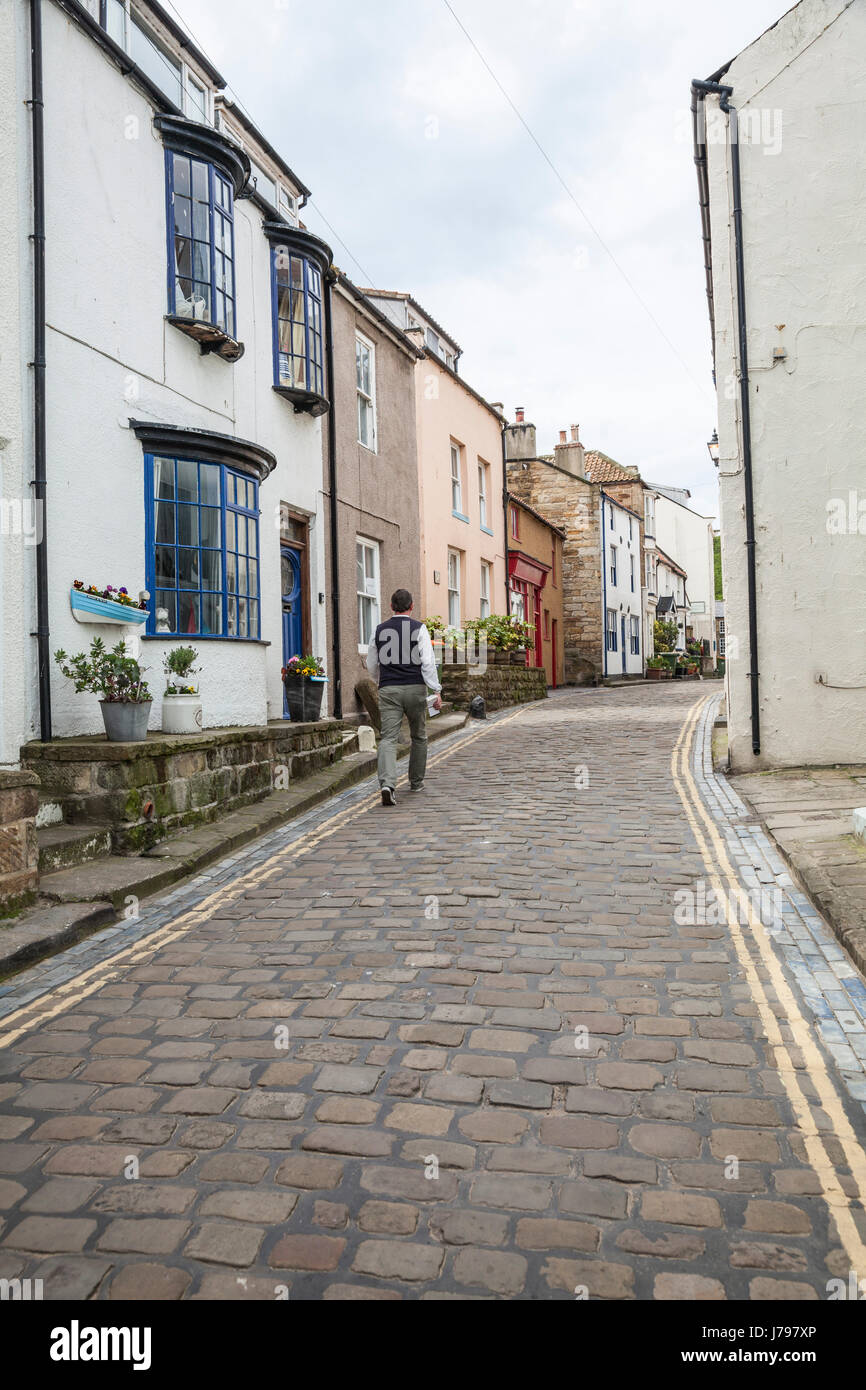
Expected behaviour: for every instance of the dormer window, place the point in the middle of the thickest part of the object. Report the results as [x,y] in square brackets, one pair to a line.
[166,69]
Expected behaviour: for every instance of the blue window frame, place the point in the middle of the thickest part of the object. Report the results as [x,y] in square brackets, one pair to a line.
[635,636]
[610,630]
[613,565]
[297,321]
[200,205]
[202,543]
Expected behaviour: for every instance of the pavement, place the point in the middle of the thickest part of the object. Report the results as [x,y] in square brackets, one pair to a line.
[808,811]
[561,1026]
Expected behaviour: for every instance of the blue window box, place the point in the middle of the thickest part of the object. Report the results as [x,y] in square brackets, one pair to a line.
[87,608]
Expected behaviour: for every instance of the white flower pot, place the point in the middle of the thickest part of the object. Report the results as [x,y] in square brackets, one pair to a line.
[181,714]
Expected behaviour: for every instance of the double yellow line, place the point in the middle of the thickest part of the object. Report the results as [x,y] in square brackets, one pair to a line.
[723,877]
[72,991]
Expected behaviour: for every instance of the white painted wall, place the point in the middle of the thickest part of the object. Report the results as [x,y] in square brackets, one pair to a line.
[620,596]
[18,710]
[111,356]
[688,538]
[804,204]
[669,584]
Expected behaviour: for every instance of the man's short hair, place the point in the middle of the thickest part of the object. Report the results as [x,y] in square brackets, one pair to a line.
[401,601]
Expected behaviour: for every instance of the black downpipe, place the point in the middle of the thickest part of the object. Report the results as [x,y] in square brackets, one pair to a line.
[39,444]
[700,89]
[334,520]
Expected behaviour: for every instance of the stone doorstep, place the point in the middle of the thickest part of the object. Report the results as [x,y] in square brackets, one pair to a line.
[88,896]
[62,845]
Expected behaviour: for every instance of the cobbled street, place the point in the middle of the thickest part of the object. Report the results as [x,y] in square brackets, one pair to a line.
[478,1045]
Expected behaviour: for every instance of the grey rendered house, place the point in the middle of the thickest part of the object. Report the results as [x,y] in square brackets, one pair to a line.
[375,462]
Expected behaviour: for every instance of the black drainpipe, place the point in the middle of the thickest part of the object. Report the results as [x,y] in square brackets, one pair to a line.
[39,447]
[699,93]
[334,521]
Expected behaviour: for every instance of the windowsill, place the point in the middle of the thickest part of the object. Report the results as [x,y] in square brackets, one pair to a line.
[208,336]
[458,516]
[362,650]
[371,448]
[305,402]
[486,529]
[202,637]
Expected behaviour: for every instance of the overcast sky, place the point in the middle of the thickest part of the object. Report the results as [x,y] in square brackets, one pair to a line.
[427,176]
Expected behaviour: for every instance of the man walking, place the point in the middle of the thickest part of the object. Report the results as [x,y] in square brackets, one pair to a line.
[401,654]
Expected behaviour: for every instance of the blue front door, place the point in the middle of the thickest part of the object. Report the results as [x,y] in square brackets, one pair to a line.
[622,634]
[290,582]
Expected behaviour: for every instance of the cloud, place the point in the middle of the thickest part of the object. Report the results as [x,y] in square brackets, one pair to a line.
[417,160]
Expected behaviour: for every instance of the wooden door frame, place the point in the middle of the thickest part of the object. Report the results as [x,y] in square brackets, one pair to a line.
[302,547]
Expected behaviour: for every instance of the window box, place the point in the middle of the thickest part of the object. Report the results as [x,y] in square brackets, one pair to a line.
[300,275]
[87,608]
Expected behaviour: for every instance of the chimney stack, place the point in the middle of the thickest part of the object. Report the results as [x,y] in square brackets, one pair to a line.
[520,443]
[570,454]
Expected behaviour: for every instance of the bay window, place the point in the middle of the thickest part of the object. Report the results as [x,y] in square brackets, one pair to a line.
[201,203]
[299,265]
[202,537]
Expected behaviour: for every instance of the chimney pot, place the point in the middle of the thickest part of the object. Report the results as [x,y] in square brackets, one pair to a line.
[575,439]
[518,413]
[562,437]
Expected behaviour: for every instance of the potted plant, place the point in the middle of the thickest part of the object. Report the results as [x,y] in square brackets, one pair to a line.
[304,679]
[117,678]
[656,669]
[181,703]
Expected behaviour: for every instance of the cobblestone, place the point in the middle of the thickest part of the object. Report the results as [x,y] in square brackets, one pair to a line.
[313,1084]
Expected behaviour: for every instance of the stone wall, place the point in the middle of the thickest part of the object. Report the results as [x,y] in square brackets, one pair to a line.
[19,854]
[143,791]
[571,503]
[500,685]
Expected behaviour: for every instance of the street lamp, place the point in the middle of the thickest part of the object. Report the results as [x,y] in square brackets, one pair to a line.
[713,447]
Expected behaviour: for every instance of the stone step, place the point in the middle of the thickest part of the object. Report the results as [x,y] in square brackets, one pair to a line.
[62,846]
[80,899]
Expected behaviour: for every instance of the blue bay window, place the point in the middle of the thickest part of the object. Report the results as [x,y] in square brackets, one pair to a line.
[300,264]
[204,174]
[201,267]
[202,548]
[298,312]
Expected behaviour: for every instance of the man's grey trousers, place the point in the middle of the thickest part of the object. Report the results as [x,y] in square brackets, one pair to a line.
[394,702]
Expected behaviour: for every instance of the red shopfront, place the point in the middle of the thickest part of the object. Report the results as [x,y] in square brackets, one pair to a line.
[526,579]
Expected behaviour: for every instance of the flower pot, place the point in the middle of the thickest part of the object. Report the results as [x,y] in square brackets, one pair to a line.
[656,673]
[181,714]
[124,721]
[304,697]
[518,657]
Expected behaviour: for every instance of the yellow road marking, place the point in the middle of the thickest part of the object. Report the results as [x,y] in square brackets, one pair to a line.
[718,864]
[103,972]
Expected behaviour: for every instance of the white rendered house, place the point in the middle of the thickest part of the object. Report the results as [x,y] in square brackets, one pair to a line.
[781,162]
[184,369]
[621,588]
[688,537]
